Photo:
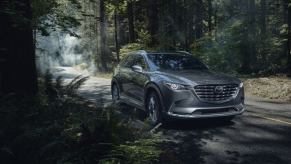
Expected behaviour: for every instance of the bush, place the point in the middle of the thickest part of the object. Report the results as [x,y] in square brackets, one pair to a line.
[60,127]
[130,48]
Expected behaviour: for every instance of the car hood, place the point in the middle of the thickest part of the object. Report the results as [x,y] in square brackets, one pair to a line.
[198,77]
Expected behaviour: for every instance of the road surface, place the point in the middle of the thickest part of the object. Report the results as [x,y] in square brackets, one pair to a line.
[262,135]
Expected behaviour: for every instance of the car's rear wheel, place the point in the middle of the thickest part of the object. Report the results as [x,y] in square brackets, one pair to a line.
[115,93]
[153,106]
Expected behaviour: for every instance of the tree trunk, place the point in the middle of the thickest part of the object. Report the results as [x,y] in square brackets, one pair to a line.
[209,17]
[96,57]
[249,61]
[263,29]
[263,17]
[289,41]
[199,19]
[17,54]
[215,21]
[153,21]
[103,49]
[116,34]
[130,21]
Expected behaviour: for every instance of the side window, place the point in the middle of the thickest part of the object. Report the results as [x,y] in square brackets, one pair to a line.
[129,62]
[132,60]
[123,61]
[139,60]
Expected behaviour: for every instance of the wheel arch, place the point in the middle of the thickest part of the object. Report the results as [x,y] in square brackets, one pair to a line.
[115,81]
[152,87]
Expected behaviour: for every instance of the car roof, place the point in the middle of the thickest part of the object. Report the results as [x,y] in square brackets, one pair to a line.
[143,52]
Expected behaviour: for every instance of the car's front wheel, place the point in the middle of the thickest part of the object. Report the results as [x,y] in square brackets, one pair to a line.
[115,93]
[153,106]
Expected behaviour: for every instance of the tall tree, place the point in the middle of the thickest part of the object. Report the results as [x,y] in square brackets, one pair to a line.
[199,19]
[116,29]
[103,40]
[263,17]
[153,24]
[209,16]
[250,55]
[130,16]
[263,28]
[18,69]
[289,39]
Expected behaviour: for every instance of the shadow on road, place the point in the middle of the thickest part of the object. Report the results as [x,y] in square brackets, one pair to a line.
[197,124]
[183,140]
[186,139]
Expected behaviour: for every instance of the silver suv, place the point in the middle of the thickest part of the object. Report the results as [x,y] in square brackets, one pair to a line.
[168,85]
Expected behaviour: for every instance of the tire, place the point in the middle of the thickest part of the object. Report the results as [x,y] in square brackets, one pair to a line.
[153,108]
[115,93]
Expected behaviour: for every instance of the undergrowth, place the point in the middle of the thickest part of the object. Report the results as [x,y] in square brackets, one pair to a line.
[58,126]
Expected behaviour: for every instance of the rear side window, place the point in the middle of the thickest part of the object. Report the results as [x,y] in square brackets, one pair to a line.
[139,60]
[123,61]
[128,61]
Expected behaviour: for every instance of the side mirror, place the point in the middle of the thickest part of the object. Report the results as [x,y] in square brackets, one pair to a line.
[137,68]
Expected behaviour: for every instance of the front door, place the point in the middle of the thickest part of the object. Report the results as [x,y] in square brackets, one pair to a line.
[139,79]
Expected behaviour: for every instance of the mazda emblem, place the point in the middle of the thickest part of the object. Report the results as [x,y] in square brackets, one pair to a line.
[218,89]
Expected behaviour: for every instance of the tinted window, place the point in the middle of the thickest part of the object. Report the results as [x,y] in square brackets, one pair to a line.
[132,60]
[123,61]
[139,60]
[129,61]
[175,62]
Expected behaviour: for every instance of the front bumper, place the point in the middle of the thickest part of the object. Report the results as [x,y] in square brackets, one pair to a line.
[206,112]
[186,104]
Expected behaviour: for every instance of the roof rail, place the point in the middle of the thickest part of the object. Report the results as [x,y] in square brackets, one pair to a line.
[141,51]
[184,52]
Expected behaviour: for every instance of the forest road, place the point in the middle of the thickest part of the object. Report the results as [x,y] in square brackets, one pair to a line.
[95,89]
[262,135]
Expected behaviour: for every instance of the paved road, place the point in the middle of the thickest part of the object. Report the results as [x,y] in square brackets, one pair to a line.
[95,89]
[262,135]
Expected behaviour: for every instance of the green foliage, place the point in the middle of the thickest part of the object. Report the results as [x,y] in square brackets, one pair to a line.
[130,48]
[58,90]
[144,36]
[232,36]
[64,128]
[141,151]
[238,44]
[223,52]
[49,15]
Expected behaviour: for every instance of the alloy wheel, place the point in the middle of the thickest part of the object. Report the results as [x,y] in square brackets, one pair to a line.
[153,109]
[115,93]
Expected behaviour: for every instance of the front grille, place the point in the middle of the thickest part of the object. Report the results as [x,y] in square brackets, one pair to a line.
[216,92]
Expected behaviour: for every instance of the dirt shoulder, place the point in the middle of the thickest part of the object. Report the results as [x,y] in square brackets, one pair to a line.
[274,88]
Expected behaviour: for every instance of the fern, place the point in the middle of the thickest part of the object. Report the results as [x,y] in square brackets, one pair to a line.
[58,89]
[50,89]
[72,88]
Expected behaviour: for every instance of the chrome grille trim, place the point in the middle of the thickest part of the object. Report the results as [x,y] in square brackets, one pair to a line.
[207,93]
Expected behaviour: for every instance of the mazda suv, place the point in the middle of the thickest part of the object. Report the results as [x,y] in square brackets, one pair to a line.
[175,85]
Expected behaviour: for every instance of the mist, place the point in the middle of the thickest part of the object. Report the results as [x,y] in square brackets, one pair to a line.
[58,49]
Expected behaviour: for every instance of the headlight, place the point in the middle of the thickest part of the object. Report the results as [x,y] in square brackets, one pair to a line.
[241,85]
[175,86]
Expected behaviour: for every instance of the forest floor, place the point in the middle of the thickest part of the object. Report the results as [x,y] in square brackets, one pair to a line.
[274,88]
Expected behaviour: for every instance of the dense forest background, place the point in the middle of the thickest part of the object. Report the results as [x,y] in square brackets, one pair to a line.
[44,120]
[234,36]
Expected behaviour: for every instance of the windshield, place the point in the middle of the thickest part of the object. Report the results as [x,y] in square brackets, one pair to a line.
[175,62]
